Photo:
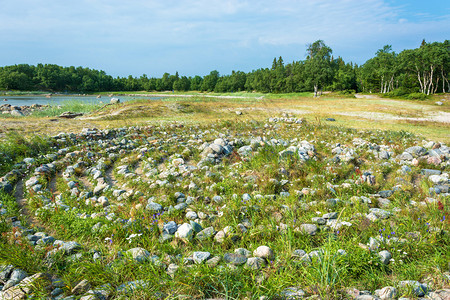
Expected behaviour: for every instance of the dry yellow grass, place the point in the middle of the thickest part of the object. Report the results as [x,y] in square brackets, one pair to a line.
[423,118]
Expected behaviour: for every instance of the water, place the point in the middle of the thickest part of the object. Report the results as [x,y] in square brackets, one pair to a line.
[59,100]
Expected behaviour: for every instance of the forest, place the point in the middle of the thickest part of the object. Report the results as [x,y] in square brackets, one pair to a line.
[417,72]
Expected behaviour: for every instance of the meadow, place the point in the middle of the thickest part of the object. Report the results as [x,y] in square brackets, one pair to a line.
[257,197]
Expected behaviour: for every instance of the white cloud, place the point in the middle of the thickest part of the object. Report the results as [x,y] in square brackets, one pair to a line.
[135,30]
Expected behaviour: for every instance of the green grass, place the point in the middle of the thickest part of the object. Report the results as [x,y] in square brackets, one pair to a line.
[274,222]
[75,106]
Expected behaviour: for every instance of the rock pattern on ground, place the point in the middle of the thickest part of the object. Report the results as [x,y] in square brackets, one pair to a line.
[105,180]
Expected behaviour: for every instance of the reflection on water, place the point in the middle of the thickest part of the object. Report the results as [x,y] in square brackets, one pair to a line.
[59,100]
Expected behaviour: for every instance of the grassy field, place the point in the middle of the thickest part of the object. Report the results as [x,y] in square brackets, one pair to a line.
[419,117]
[277,201]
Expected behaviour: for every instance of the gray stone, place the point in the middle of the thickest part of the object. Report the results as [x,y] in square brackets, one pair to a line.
[185,232]
[310,229]
[5,272]
[217,199]
[181,206]
[255,263]
[384,154]
[380,213]
[429,172]
[418,289]
[114,101]
[195,226]
[319,220]
[206,233]
[220,236]
[292,293]
[299,253]
[213,262]
[16,113]
[243,251]
[82,287]
[387,293]
[154,207]
[332,215]
[367,297]
[191,215]
[200,257]
[385,256]
[264,252]
[416,151]
[70,247]
[386,193]
[138,254]
[440,295]
[170,227]
[406,156]
[235,259]
[24,288]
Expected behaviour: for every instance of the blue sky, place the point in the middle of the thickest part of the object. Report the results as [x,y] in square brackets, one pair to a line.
[194,37]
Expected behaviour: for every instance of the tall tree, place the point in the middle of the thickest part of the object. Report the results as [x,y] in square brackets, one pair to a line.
[318,69]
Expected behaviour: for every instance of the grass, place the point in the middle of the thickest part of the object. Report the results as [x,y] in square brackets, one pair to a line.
[415,234]
[75,106]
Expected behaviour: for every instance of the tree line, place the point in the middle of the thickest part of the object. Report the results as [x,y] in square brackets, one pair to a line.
[422,70]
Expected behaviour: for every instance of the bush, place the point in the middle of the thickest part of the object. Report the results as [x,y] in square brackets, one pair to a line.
[417,96]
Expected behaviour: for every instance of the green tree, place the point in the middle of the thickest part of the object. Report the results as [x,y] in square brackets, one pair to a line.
[318,68]
[209,81]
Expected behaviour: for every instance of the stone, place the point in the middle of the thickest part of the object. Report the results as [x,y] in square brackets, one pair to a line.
[367,297]
[180,206]
[406,156]
[5,272]
[243,251]
[416,151]
[138,254]
[217,199]
[201,257]
[292,293]
[440,295]
[386,193]
[70,247]
[310,229]
[170,227]
[437,179]
[385,256]
[16,113]
[235,259]
[24,288]
[191,215]
[172,269]
[264,252]
[429,172]
[17,276]
[114,101]
[220,236]
[196,227]
[387,293]
[418,289]
[299,253]
[154,207]
[213,262]
[255,263]
[82,287]
[206,233]
[185,232]
[332,215]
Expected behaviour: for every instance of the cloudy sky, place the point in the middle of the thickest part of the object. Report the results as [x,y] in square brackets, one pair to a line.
[194,37]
